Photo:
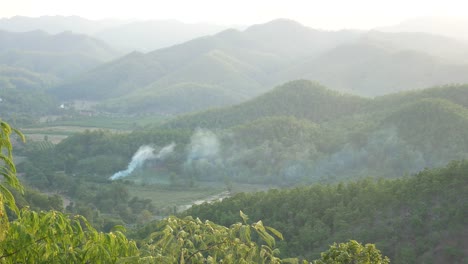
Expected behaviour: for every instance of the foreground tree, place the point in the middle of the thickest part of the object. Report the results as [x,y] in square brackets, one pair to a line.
[190,240]
[49,237]
[352,252]
[8,173]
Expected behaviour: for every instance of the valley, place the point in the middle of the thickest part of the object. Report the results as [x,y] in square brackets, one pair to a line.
[273,142]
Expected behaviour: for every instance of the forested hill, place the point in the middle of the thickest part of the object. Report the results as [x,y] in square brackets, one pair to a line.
[301,99]
[233,66]
[22,93]
[416,219]
[237,61]
[309,100]
[298,133]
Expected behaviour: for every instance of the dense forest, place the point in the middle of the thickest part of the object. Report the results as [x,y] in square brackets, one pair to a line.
[269,143]
[415,219]
[336,145]
[55,237]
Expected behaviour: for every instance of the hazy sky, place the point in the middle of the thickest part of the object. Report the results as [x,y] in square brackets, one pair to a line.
[326,14]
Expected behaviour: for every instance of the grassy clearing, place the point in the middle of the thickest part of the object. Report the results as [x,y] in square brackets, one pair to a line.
[60,129]
[108,122]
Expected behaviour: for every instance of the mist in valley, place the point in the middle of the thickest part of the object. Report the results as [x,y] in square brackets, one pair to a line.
[321,125]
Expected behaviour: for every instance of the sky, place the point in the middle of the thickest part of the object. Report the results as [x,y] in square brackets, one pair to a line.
[324,14]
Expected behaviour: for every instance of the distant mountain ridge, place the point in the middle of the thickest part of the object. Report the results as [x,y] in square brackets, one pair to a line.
[237,65]
[233,66]
[62,55]
[239,62]
[456,28]
[127,35]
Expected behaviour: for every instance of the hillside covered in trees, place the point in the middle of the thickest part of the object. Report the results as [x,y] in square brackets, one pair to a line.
[263,142]
[415,219]
[233,66]
[58,238]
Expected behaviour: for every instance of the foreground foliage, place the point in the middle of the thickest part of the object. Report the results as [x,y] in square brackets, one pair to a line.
[52,237]
[352,252]
[190,240]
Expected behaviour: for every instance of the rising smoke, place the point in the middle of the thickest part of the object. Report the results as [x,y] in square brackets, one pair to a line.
[204,144]
[143,154]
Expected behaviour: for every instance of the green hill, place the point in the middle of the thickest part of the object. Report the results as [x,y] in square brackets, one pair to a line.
[455,93]
[433,124]
[244,64]
[22,95]
[353,137]
[301,99]
[240,62]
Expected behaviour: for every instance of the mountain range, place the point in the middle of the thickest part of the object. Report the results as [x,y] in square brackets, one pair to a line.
[231,66]
[125,35]
[234,65]
[450,27]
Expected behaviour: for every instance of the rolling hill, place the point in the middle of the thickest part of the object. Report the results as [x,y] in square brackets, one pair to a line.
[22,95]
[237,65]
[352,136]
[301,99]
[240,62]
[372,70]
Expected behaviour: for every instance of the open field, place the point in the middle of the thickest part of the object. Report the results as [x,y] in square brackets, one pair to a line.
[108,122]
[58,130]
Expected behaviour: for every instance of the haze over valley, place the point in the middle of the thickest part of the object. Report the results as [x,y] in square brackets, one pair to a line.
[158,139]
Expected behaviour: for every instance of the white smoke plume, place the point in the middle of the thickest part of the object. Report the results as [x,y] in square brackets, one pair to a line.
[204,144]
[164,152]
[143,154]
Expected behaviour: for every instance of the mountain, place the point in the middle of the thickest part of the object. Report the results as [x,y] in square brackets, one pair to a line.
[371,71]
[301,99]
[445,48]
[62,55]
[383,63]
[240,63]
[22,95]
[234,66]
[329,136]
[456,28]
